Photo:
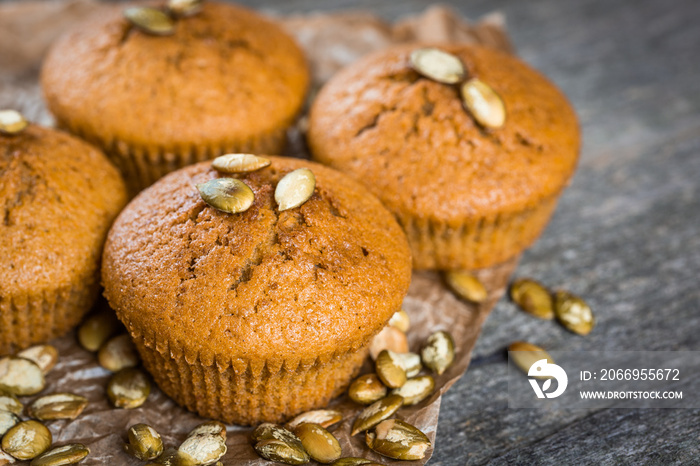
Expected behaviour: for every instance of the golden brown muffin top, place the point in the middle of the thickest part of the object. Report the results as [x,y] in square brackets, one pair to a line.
[316,280]
[59,197]
[410,140]
[225,74]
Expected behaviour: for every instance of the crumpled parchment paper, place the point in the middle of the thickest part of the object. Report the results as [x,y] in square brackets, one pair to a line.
[331,40]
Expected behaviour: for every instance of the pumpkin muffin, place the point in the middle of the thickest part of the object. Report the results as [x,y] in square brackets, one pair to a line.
[225,80]
[259,315]
[469,194]
[60,196]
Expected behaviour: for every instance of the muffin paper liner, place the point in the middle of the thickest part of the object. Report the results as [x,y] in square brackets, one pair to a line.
[430,305]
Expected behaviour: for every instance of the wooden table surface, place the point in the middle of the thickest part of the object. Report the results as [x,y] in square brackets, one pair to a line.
[626,235]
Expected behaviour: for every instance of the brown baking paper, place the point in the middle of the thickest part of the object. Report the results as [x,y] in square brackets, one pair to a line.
[331,41]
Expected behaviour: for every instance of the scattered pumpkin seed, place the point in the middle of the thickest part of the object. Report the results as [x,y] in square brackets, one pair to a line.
[183,8]
[97,329]
[320,444]
[12,122]
[389,369]
[60,456]
[7,421]
[415,390]
[399,440]
[9,402]
[269,431]
[57,406]
[524,355]
[128,388]
[483,103]
[466,285]
[173,457]
[376,413]
[239,163]
[204,448]
[411,363]
[118,353]
[295,188]
[44,356]
[400,320]
[438,65]
[279,450]
[20,376]
[532,298]
[228,195]
[210,428]
[27,440]
[145,442]
[150,20]
[390,338]
[366,389]
[353,461]
[438,352]
[322,417]
[573,313]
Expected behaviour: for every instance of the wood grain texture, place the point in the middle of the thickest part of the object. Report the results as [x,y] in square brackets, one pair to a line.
[625,235]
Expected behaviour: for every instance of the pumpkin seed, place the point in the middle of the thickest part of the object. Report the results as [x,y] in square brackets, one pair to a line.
[128,388]
[44,356]
[437,65]
[322,417]
[438,352]
[204,448]
[27,440]
[573,313]
[376,413]
[97,329]
[9,402]
[227,195]
[400,320]
[353,461]
[239,163]
[532,298]
[390,338]
[145,442]
[269,431]
[390,370]
[411,363]
[367,389]
[466,285]
[483,103]
[415,390]
[118,353]
[150,20]
[12,122]
[60,456]
[20,376]
[320,444]
[279,450]
[183,8]
[210,428]
[57,406]
[173,457]
[399,440]
[524,355]
[7,421]
[6,459]
[295,188]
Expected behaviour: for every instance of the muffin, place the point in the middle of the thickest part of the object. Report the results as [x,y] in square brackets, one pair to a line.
[60,196]
[225,80]
[468,193]
[259,315]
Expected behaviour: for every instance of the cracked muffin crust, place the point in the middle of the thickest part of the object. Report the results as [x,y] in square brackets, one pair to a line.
[467,197]
[227,80]
[59,196]
[260,315]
